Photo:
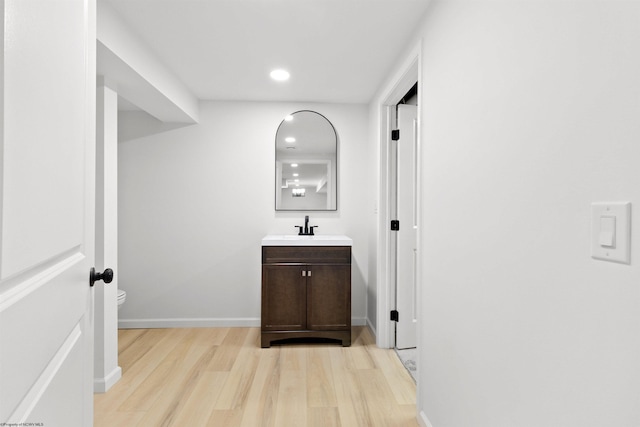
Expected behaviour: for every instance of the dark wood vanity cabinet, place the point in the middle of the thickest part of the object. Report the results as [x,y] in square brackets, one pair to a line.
[306,293]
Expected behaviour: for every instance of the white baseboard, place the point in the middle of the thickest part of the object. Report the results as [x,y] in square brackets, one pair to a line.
[102,385]
[187,323]
[203,323]
[423,420]
[371,326]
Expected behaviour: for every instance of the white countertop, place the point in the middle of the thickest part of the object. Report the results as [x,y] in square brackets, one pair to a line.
[296,240]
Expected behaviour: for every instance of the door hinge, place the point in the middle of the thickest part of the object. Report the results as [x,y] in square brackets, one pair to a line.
[394,315]
[395,134]
[395,225]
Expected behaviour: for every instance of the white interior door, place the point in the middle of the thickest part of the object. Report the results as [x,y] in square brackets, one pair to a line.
[47,212]
[407,235]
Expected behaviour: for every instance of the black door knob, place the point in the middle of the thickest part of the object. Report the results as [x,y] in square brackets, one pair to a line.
[106,276]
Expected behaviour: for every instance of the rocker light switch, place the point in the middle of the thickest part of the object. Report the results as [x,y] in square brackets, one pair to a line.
[607,237]
[610,231]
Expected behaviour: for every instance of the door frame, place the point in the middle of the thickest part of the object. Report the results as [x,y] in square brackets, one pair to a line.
[407,74]
[106,369]
[407,211]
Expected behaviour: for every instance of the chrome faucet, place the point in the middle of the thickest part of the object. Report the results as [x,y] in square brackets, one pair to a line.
[306,230]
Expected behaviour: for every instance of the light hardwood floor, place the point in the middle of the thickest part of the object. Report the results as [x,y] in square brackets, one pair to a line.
[221,377]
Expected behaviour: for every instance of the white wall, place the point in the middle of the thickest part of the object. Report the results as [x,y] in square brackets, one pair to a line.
[140,77]
[195,201]
[530,112]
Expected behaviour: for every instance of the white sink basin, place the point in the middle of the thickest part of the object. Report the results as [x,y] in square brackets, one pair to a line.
[295,240]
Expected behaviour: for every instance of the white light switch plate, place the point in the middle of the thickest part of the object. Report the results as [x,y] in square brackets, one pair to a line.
[611,231]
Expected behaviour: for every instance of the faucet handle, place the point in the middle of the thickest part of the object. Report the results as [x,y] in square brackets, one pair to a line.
[311,229]
[299,227]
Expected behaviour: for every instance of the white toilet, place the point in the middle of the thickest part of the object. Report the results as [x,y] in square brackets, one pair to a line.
[122,295]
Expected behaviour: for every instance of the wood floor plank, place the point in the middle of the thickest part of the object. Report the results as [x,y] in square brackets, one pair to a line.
[350,397]
[153,385]
[142,343]
[221,377]
[137,369]
[217,335]
[381,406]
[229,349]
[352,407]
[225,418]
[321,391]
[149,390]
[357,356]
[323,417]
[263,395]
[293,357]
[400,382]
[408,416]
[129,419]
[291,410]
[178,386]
[199,406]
[126,337]
[236,388]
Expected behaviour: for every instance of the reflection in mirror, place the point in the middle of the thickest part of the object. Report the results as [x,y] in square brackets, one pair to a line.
[306,163]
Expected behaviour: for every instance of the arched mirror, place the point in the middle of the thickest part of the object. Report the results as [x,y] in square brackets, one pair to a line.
[306,163]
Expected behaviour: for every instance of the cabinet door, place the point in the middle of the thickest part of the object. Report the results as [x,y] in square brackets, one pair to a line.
[284,298]
[329,297]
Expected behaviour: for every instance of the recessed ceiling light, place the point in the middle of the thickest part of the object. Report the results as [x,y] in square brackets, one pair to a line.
[290,139]
[280,75]
[294,165]
[296,174]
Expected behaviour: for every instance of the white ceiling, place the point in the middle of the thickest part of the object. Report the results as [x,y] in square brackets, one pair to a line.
[336,50]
